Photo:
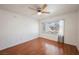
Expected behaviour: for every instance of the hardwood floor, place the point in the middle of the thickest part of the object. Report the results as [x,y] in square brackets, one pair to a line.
[41,46]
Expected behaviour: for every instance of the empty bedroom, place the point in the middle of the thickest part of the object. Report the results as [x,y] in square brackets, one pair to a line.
[39,29]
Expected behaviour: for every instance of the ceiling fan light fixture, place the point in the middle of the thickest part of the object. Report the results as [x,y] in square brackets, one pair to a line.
[39,13]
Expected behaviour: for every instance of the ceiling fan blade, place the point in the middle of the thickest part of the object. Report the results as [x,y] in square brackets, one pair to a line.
[32,8]
[45,12]
[44,6]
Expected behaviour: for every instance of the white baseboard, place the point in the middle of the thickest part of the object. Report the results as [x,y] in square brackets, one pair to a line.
[19,42]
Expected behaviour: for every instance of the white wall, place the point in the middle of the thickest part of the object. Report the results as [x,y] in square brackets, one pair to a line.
[70,30]
[16,29]
[78,31]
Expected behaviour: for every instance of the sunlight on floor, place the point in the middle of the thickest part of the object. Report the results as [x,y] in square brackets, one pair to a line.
[51,49]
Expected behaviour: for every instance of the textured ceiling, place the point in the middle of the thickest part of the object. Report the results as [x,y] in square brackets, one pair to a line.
[54,9]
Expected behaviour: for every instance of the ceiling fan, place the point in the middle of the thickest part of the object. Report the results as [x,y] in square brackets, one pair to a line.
[40,10]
